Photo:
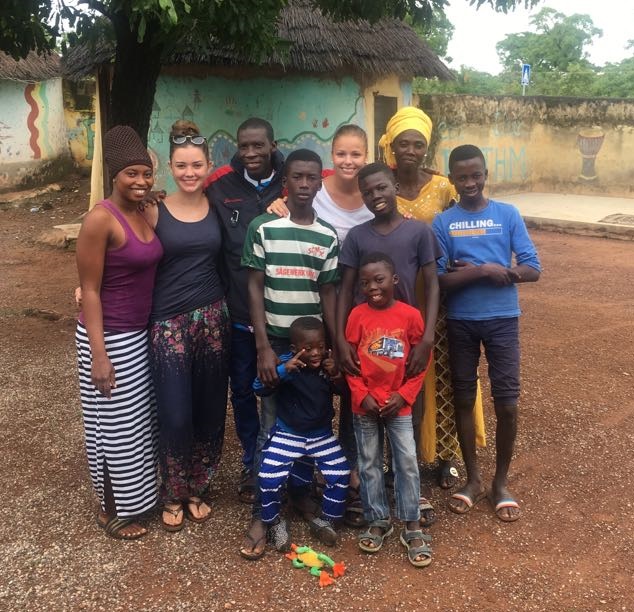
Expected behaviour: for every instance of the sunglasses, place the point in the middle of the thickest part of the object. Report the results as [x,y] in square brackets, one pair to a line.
[195,140]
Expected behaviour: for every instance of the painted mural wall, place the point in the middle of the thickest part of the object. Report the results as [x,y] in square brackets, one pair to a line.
[304,112]
[33,142]
[79,117]
[562,145]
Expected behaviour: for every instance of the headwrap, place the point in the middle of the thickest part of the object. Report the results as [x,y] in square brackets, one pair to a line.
[122,147]
[407,118]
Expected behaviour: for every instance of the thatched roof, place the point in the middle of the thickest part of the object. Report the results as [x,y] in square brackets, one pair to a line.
[318,46]
[82,61]
[31,69]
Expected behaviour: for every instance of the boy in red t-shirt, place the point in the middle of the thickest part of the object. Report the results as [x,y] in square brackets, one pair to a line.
[383,331]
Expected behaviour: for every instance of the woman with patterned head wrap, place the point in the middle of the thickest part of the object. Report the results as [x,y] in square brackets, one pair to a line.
[423,195]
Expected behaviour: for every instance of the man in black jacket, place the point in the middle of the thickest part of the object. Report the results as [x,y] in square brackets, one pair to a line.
[239,192]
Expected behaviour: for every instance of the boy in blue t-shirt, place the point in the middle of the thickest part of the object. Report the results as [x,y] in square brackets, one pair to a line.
[478,238]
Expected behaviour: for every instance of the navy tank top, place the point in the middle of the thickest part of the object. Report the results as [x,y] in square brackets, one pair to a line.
[187,277]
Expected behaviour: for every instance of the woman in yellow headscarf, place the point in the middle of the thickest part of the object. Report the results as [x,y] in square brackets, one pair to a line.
[423,195]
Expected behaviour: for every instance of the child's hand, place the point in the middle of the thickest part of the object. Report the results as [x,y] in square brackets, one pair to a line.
[267,367]
[459,264]
[78,297]
[370,405]
[348,359]
[497,274]
[418,358]
[295,363]
[392,405]
[330,366]
[278,207]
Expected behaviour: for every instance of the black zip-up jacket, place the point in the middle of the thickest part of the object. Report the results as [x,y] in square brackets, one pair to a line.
[236,203]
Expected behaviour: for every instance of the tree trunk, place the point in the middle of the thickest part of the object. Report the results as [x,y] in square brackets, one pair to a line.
[136,70]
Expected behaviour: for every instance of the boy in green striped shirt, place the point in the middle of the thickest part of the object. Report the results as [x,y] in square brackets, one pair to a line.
[292,264]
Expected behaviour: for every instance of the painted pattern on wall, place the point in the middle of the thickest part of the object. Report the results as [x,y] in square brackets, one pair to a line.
[558,145]
[79,105]
[304,112]
[32,131]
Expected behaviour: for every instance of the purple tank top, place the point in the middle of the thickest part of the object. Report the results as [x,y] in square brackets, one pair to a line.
[128,279]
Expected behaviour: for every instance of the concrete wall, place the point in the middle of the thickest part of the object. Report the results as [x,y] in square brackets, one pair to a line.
[33,143]
[563,145]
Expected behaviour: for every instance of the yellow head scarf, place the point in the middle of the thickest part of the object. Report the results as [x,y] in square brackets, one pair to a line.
[407,118]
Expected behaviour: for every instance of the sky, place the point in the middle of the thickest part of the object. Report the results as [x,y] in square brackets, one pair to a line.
[477,31]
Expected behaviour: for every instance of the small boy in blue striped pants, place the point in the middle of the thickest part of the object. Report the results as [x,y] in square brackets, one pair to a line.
[303,428]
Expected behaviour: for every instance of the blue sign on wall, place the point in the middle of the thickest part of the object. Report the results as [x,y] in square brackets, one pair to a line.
[526,74]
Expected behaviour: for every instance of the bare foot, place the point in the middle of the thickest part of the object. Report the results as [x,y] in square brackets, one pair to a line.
[416,542]
[374,531]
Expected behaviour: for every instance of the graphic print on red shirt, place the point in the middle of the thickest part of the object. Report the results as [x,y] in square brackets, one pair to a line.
[383,340]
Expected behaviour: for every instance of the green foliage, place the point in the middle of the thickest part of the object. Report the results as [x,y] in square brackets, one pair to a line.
[437,32]
[35,24]
[467,81]
[23,27]
[615,80]
[557,53]
[560,41]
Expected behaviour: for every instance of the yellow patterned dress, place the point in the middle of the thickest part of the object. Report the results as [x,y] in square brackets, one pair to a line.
[438,438]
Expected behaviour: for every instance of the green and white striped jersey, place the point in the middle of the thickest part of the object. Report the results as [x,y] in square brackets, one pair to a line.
[295,259]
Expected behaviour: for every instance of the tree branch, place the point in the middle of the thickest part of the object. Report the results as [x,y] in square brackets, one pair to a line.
[100,7]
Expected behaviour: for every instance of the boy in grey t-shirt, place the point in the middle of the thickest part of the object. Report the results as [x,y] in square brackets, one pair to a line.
[412,246]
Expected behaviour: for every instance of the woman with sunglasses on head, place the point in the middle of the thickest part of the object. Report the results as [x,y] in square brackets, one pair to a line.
[189,334]
[423,195]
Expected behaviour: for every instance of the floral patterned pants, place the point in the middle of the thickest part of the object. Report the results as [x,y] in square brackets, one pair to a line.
[189,357]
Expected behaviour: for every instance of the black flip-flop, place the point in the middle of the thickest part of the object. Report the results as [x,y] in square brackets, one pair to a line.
[253,555]
[246,486]
[448,475]
[115,525]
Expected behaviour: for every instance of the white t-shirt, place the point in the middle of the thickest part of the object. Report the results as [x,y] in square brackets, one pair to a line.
[342,219]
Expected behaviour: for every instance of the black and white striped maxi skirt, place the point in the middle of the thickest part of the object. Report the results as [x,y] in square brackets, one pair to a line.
[121,432]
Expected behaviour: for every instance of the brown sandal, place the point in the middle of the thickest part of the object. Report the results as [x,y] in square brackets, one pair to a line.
[196,501]
[172,528]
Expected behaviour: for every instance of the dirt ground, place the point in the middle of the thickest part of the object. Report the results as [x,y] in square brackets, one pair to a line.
[571,550]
